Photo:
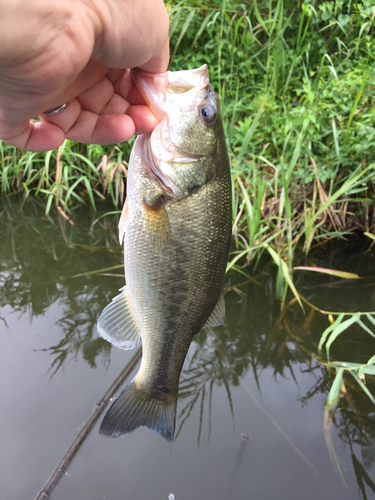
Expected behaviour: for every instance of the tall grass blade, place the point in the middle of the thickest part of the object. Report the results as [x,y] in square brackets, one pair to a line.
[184,29]
[364,388]
[334,393]
[280,263]
[331,272]
[339,328]
[206,20]
[249,134]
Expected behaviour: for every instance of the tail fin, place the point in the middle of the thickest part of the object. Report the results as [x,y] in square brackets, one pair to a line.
[134,408]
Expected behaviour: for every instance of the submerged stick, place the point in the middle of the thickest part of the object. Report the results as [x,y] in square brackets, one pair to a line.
[61,468]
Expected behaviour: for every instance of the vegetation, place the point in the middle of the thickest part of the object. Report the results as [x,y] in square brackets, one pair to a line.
[296,81]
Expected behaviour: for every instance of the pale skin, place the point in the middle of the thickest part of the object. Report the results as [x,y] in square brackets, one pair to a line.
[77,52]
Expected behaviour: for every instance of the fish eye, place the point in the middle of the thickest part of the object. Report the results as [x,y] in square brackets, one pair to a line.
[208,113]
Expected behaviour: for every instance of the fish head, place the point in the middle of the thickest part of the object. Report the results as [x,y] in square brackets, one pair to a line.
[182,148]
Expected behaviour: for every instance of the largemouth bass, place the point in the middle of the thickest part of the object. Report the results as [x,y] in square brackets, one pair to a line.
[177,225]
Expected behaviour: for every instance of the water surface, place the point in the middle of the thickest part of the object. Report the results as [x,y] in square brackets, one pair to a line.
[252,393]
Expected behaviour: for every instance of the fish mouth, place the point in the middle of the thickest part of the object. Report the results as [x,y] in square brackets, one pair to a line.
[168,185]
[156,88]
[153,163]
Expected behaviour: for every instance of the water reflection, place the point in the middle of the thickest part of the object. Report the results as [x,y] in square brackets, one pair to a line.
[44,260]
[38,257]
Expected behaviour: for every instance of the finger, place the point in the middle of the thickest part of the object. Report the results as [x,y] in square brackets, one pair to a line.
[67,117]
[89,76]
[116,105]
[101,99]
[31,136]
[107,129]
[130,37]
[97,96]
[124,86]
[85,126]
[144,120]
[115,74]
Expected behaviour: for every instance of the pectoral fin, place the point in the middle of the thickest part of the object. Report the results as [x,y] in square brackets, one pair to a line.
[218,314]
[116,323]
[157,222]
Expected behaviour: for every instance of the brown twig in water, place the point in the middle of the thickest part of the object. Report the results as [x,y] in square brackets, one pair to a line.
[66,217]
[61,468]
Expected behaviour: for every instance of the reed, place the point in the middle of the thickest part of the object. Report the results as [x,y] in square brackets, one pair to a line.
[295,81]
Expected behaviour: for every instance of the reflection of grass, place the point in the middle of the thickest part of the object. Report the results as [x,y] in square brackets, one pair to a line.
[205,369]
[38,254]
[338,326]
[78,324]
[197,376]
[257,334]
[362,476]
[357,370]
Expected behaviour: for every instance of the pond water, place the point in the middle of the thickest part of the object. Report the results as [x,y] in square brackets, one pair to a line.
[252,392]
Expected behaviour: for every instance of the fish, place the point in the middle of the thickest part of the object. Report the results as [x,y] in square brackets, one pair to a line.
[176,228]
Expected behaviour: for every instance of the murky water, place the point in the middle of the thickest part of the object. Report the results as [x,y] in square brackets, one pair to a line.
[251,406]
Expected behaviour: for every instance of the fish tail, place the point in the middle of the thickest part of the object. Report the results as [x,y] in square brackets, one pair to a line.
[134,408]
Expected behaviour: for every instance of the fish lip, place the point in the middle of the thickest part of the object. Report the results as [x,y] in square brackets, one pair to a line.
[153,87]
[177,155]
[156,84]
[163,179]
[168,185]
[196,77]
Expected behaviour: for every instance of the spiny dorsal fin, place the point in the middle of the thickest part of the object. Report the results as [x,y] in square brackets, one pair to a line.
[116,323]
[218,314]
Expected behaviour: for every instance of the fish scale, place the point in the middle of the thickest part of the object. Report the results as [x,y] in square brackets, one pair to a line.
[177,222]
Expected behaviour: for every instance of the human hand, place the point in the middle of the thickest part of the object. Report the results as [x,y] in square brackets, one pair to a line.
[76,52]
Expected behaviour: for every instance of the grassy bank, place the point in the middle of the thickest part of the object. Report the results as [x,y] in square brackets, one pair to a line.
[296,82]
[297,86]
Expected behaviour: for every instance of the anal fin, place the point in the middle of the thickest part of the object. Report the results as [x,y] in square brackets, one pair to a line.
[117,324]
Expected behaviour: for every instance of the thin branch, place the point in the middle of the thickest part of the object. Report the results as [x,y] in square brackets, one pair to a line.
[61,468]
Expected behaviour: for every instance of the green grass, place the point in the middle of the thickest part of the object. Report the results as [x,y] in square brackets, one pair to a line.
[296,81]
[75,173]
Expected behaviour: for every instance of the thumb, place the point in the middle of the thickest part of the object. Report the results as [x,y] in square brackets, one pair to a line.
[158,63]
